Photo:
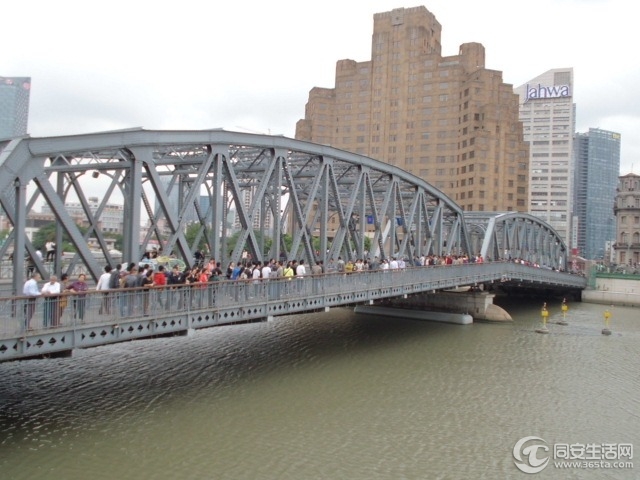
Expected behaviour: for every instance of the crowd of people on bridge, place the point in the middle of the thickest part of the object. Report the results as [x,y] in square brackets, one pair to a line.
[127,289]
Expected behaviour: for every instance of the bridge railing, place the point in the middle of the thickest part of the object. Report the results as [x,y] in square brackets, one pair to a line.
[27,315]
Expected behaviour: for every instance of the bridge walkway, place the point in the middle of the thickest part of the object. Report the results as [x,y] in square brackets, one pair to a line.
[100,318]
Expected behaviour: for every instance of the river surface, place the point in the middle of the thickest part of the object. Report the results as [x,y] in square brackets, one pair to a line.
[331,395]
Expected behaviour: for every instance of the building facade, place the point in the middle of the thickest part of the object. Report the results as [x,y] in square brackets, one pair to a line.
[111,217]
[597,170]
[547,113]
[627,211]
[448,120]
[14,106]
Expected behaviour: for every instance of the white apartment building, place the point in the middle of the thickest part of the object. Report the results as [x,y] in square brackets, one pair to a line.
[547,113]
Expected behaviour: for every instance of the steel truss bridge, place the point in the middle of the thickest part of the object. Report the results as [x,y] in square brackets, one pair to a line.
[270,196]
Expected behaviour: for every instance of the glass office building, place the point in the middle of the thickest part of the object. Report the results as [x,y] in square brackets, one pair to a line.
[14,106]
[597,168]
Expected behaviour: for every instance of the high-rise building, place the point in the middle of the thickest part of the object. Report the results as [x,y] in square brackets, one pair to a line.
[547,113]
[627,210]
[597,168]
[14,106]
[111,217]
[448,120]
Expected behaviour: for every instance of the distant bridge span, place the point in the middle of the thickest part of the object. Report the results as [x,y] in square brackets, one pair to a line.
[282,198]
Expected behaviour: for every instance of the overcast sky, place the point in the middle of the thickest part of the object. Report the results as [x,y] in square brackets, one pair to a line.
[249,66]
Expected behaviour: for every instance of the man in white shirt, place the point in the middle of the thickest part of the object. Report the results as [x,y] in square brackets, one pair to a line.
[301,270]
[31,290]
[51,291]
[103,281]
[103,285]
[50,247]
[266,270]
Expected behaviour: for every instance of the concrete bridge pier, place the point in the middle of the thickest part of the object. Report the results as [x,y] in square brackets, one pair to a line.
[475,303]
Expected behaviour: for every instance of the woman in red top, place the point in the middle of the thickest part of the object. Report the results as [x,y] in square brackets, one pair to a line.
[160,280]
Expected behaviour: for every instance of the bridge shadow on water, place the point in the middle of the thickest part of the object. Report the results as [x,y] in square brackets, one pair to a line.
[148,372]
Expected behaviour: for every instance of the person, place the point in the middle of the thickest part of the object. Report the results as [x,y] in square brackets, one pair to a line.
[160,280]
[266,270]
[230,270]
[50,248]
[176,279]
[31,290]
[193,279]
[237,271]
[331,266]
[349,266]
[31,266]
[51,292]
[63,300]
[288,273]
[147,283]
[129,281]
[211,265]
[199,258]
[256,274]
[316,271]
[301,271]
[79,287]
[103,286]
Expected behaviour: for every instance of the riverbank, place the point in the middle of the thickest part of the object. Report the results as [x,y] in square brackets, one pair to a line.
[614,289]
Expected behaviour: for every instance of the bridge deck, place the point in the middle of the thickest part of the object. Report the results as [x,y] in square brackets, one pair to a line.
[122,315]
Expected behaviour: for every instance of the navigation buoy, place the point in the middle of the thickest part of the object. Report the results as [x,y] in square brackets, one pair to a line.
[545,315]
[607,319]
[564,309]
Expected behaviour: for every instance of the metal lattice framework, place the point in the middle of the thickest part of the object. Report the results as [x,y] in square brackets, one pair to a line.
[282,190]
[512,235]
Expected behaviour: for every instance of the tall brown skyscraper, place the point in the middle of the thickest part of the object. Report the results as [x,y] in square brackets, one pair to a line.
[448,120]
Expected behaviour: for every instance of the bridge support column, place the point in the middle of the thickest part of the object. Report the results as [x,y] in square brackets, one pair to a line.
[477,304]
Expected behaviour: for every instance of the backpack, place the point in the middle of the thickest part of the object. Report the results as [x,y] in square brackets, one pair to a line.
[114,279]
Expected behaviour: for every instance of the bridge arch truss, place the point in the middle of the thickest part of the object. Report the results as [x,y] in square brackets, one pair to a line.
[514,235]
[292,199]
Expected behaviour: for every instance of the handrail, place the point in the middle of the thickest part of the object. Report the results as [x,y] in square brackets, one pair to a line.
[45,325]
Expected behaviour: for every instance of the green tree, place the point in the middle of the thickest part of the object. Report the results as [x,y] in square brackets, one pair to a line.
[118,240]
[233,240]
[48,234]
[191,233]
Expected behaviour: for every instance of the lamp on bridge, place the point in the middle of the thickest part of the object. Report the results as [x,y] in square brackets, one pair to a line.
[95,174]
